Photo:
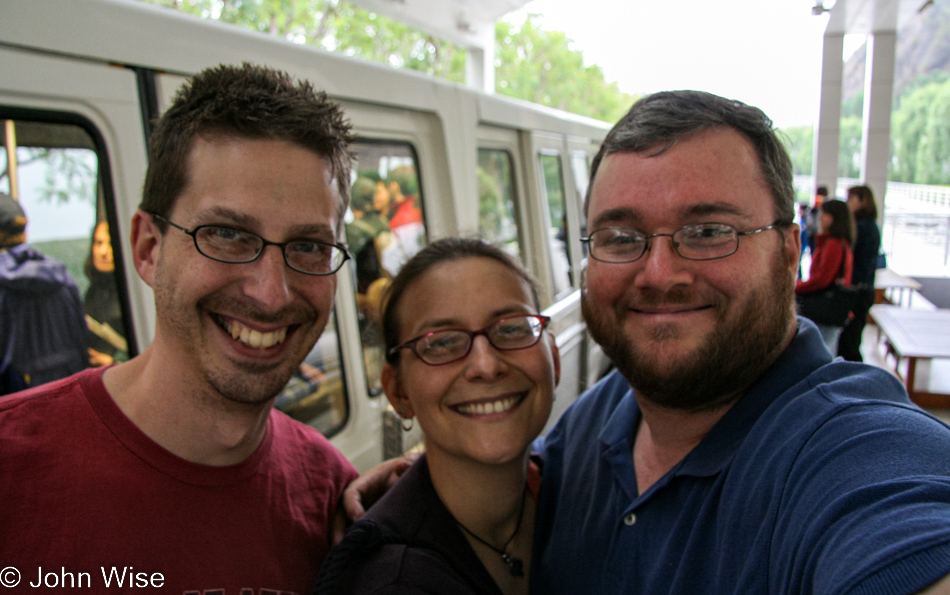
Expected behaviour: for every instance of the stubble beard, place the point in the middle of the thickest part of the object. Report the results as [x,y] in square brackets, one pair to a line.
[240,382]
[731,358]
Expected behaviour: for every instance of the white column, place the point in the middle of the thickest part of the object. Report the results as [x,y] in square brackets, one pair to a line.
[876,128]
[828,127]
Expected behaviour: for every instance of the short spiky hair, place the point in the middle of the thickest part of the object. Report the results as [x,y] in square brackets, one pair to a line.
[247,101]
[657,121]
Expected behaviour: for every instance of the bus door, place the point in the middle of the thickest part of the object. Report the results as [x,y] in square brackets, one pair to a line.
[582,152]
[549,235]
[74,157]
[400,198]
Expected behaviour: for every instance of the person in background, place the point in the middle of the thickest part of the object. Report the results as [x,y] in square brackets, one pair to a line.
[366,233]
[803,223]
[406,217]
[832,261]
[104,339]
[174,463]
[867,246]
[811,220]
[468,355]
[42,332]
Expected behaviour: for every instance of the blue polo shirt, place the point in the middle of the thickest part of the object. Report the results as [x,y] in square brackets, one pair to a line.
[823,478]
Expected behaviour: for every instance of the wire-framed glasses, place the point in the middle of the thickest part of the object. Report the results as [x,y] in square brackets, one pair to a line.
[698,241]
[236,246]
[449,345]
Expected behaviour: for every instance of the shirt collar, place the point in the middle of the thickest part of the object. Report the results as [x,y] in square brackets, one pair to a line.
[805,354]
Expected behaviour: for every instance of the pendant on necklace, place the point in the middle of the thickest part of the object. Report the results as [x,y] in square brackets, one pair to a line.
[515,565]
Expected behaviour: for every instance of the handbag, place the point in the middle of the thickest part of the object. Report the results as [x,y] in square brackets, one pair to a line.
[831,306]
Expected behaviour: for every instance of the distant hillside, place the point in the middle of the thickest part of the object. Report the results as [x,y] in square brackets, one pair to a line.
[923,47]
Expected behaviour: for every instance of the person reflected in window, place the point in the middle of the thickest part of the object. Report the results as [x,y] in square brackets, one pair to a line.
[41,328]
[105,340]
[406,216]
[363,231]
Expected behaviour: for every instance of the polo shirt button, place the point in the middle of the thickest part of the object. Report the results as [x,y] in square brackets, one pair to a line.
[629,519]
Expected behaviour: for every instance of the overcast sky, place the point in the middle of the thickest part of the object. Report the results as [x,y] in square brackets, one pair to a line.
[764,52]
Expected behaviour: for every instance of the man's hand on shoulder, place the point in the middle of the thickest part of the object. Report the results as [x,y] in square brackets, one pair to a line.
[366,489]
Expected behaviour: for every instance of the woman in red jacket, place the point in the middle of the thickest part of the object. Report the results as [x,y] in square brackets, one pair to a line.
[832,260]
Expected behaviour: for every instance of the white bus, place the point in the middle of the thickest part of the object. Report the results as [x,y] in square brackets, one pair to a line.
[81,82]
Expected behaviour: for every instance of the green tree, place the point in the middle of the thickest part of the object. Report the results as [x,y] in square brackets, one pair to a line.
[530,63]
[849,147]
[799,141]
[920,134]
[853,106]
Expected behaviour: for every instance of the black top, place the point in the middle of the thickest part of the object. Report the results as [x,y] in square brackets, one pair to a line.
[866,248]
[408,543]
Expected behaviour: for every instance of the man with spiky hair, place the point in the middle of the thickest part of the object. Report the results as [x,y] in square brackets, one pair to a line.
[172,470]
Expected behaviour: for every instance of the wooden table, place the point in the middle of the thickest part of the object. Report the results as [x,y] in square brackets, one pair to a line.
[915,334]
[887,279]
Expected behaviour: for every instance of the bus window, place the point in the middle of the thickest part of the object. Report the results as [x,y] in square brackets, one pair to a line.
[496,201]
[384,228]
[53,169]
[580,167]
[316,394]
[553,187]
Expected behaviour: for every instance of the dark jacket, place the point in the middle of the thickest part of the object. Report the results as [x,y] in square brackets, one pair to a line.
[42,325]
[408,543]
[866,248]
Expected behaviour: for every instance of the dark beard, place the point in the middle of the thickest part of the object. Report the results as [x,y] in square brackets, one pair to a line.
[736,353]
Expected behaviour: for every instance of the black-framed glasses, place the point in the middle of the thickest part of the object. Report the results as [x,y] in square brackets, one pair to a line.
[236,246]
[450,345]
[698,241]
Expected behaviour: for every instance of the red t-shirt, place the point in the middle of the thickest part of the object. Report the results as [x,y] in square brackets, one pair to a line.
[85,495]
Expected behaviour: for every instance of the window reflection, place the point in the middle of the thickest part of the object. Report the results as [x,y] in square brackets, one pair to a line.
[553,187]
[497,220]
[385,228]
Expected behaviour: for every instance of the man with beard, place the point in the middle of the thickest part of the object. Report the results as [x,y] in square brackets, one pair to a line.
[172,470]
[727,453]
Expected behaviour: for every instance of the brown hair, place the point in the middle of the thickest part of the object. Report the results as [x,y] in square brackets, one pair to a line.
[439,251]
[657,121]
[842,221]
[867,206]
[246,101]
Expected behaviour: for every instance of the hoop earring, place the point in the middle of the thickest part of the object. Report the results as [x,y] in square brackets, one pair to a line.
[411,422]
